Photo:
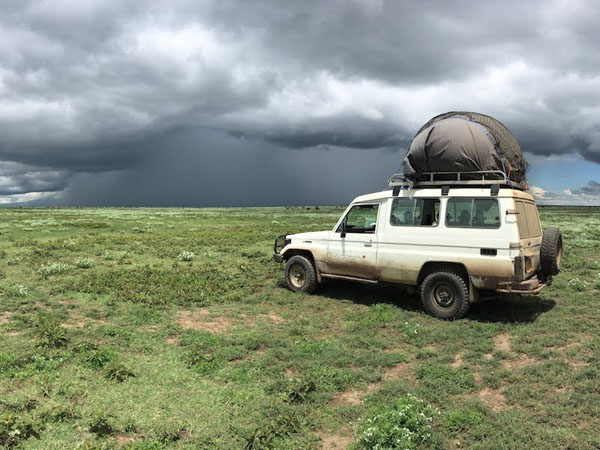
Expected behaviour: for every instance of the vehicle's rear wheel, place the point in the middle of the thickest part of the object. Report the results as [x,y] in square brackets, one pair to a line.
[445,295]
[551,252]
[300,274]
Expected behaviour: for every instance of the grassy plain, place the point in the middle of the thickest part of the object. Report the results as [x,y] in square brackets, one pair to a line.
[112,334]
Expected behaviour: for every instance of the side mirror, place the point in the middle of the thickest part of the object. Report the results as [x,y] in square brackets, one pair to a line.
[343,233]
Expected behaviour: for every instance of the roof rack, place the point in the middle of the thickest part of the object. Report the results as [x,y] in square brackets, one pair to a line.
[467,179]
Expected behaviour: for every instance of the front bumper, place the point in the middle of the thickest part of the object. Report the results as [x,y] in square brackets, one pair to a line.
[277,257]
[532,286]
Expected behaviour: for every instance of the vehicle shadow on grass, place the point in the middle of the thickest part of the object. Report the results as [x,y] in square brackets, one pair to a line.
[510,309]
[501,309]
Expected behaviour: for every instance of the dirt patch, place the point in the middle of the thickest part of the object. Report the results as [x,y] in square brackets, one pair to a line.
[494,398]
[123,439]
[77,320]
[12,333]
[502,342]
[273,317]
[578,364]
[200,320]
[173,340]
[4,318]
[519,363]
[261,349]
[458,361]
[290,373]
[400,371]
[335,441]
[66,301]
[350,397]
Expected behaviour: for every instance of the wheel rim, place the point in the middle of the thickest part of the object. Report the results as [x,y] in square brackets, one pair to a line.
[297,276]
[444,295]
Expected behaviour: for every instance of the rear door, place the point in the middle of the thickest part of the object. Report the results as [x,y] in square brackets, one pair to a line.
[355,254]
[530,235]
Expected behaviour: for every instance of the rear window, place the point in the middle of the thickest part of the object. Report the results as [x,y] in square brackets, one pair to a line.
[472,213]
[528,220]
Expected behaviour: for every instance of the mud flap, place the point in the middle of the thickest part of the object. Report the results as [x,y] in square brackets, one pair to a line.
[473,293]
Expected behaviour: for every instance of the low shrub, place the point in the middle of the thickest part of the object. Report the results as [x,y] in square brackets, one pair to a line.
[16,290]
[84,262]
[13,429]
[54,268]
[577,285]
[118,372]
[102,424]
[186,256]
[49,331]
[403,424]
[69,244]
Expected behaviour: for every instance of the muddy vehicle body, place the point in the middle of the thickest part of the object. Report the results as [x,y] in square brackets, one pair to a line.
[455,240]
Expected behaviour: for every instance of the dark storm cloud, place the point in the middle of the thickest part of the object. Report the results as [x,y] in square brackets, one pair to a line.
[243,173]
[88,86]
[20,179]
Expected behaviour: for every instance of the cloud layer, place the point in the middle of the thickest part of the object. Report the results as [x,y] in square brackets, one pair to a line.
[86,86]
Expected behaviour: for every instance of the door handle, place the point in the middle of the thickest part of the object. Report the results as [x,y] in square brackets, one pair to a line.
[368,245]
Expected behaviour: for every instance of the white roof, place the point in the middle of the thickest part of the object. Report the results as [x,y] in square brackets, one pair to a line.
[436,192]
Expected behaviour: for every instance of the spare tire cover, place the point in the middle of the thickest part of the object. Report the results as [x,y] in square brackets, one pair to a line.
[465,142]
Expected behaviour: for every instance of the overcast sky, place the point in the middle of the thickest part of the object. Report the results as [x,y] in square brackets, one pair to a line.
[222,102]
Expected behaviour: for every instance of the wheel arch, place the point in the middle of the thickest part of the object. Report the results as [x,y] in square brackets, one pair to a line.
[307,254]
[440,266]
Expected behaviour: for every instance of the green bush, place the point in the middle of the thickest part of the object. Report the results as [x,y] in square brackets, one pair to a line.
[102,424]
[118,372]
[13,429]
[404,424]
[49,331]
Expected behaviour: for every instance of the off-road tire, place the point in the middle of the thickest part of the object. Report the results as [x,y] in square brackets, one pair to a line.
[441,287]
[300,274]
[551,253]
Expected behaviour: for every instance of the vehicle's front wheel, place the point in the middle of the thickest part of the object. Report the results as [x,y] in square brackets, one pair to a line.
[300,274]
[445,295]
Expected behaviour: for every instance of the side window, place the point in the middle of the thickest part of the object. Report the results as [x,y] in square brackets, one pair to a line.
[473,213]
[360,219]
[407,212]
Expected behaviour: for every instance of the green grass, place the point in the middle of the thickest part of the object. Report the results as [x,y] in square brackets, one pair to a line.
[173,328]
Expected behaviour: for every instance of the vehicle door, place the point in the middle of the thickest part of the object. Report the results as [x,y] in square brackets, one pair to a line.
[530,235]
[352,248]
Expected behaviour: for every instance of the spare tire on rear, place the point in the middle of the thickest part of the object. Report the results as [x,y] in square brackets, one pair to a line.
[551,253]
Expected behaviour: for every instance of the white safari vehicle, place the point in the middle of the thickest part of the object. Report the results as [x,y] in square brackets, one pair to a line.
[454,238]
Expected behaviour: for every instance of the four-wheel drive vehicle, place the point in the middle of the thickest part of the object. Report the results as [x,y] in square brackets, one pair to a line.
[454,240]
